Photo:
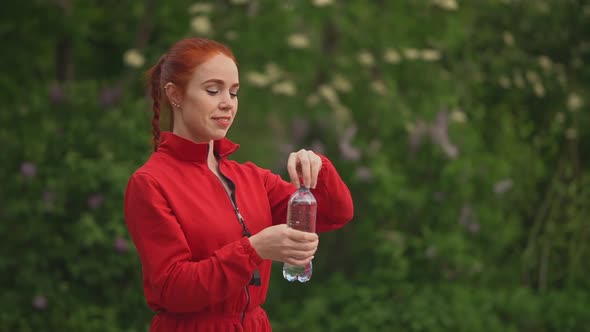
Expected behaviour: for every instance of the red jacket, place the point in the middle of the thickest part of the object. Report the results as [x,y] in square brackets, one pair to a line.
[197,264]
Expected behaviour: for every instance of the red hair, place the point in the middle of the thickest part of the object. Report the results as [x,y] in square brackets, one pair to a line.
[177,66]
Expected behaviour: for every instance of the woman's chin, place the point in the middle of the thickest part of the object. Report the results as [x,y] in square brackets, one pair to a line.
[219,134]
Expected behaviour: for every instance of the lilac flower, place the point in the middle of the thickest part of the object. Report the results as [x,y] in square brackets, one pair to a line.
[439,133]
[39,302]
[416,134]
[430,252]
[375,146]
[286,148]
[95,201]
[49,196]
[364,174]
[317,146]
[300,128]
[438,196]
[473,227]
[468,219]
[466,215]
[120,244]
[109,96]
[28,169]
[56,93]
[349,133]
[349,152]
[503,186]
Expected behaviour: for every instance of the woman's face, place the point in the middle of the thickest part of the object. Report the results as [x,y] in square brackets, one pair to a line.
[210,102]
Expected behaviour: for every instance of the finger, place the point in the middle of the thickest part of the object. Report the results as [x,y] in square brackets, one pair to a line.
[305,249]
[316,165]
[304,254]
[292,169]
[305,167]
[301,236]
[298,262]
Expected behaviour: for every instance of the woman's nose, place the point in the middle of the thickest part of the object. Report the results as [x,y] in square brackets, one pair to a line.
[226,103]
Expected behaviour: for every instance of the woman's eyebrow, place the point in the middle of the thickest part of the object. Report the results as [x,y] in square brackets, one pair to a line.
[220,82]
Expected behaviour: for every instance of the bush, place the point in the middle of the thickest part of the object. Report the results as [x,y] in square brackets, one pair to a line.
[462,135]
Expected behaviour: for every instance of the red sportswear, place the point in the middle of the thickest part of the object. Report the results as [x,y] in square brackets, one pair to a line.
[197,264]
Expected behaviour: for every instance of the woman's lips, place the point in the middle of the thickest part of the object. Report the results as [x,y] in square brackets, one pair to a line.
[223,121]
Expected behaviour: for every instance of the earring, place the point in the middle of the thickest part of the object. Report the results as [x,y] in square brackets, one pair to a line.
[175,104]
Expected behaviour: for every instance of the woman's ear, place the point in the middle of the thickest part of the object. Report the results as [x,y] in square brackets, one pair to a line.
[173,94]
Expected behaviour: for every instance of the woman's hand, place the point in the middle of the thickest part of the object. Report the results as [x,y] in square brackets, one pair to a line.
[306,165]
[284,244]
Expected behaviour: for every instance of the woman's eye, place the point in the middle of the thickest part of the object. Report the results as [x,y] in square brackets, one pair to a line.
[212,92]
[233,94]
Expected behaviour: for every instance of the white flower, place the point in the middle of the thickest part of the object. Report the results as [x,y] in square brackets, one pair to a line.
[322,3]
[257,79]
[545,62]
[560,117]
[391,56]
[574,102]
[286,88]
[341,113]
[329,94]
[571,133]
[201,25]
[458,116]
[341,83]
[366,59]
[133,58]
[532,77]
[430,55]
[411,53]
[446,4]
[504,82]
[539,89]
[379,87]
[508,38]
[518,80]
[273,72]
[312,100]
[231,35]
[298,40]
[200,7]
[503,186]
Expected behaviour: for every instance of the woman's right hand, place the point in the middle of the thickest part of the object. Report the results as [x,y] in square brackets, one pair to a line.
[284,244]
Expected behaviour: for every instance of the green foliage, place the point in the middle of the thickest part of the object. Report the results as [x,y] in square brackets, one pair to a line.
[460,127]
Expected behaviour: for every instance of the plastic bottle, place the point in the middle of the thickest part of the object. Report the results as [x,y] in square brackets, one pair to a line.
[301,215]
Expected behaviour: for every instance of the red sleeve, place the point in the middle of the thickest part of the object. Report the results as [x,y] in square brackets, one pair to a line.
[335,206]
[171,280]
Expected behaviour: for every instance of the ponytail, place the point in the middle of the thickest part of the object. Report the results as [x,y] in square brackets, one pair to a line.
[155,90]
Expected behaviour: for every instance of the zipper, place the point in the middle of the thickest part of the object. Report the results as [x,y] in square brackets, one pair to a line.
[247,304]
[245,231]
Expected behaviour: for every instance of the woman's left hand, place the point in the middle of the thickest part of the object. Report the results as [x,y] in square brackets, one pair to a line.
[304,165]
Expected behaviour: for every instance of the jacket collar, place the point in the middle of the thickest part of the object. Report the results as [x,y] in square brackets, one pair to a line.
[185,149]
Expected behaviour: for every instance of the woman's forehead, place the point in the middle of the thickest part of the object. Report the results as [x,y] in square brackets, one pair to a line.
[218,67]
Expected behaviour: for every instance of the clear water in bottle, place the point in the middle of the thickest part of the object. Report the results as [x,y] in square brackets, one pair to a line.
[301,215]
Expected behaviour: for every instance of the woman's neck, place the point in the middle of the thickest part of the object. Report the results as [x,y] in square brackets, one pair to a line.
[211,159]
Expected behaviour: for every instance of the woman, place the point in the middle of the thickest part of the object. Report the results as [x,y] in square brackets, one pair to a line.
[207,228]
